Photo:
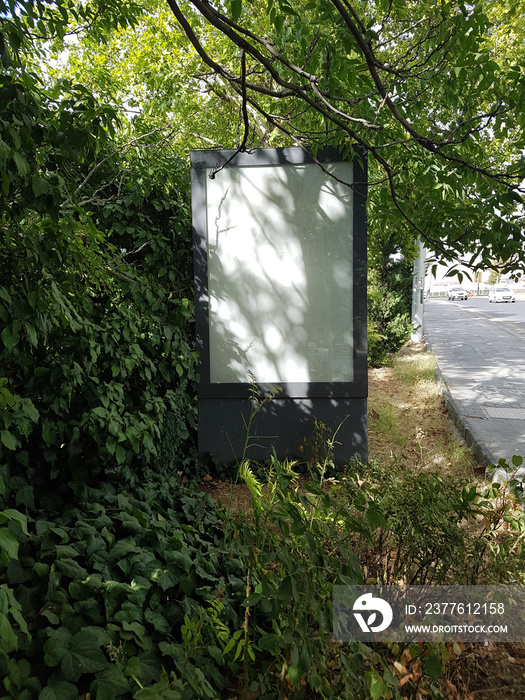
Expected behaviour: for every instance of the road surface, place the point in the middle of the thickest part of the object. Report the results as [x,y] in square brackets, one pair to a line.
[481,357]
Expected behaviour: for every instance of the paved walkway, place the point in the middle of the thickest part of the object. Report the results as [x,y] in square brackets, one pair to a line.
[482,365]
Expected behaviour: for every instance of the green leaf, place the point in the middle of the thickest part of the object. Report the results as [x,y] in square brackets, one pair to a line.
[20,518]
[57,646]
[285,590]
[8,544]
[21,164]
[378,689]
[4,294]
[301,666]
[110,684]
[83,656]
[25,496]
[9,339]
[236,9]
[120,454]
[31,334]
[71,568]
[52,617]
[133,668]
[279,22]
[433,666]
[158,621]
[136,628]
[9,641]
[8,440]
[375,517]
[269,642]
[39,185]
[150,665]
[252,599]
[159,691]
[30,411]
[62,690]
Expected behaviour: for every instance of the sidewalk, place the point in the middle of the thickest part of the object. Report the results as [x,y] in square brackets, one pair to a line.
[482,366]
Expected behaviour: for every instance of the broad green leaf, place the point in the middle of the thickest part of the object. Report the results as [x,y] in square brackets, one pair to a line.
[8,544]
[133,668]
[61,690]
[18,517]
[375,517]
[110,684]
[57,646]
[378,688]
[9,640]
[269,642]
[39,185]
[21,164]
[71,568]
[236,9]
[434,666]
[10,339]
[8,440]
[31,334]
[83,656]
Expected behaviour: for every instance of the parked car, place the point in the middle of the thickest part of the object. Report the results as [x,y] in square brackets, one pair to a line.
[457,293]
[501,294]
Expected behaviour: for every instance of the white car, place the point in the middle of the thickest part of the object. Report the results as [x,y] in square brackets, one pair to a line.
[457,293]
[501,294]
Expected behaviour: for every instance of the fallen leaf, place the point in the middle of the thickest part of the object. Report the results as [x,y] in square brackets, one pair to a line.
[400,668]
[452,689]
[457,648]
[405,680]
[406,656]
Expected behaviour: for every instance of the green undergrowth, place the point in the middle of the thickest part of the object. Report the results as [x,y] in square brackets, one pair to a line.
[145,589]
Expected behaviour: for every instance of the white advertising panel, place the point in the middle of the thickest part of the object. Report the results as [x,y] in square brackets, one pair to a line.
[280,273]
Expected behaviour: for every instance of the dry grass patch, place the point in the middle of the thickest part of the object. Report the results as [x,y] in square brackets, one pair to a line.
[408,420]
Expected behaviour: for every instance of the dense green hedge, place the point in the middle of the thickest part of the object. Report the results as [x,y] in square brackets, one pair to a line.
[389,309]
[96,348]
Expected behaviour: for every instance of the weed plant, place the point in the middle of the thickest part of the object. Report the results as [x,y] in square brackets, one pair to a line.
[437,529]
[144,589]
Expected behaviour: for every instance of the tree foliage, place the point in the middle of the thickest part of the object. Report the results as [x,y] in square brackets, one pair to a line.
[423,86]
[95,273]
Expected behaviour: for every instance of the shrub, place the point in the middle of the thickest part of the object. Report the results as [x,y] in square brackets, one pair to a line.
[95,288]
[389,310]
[437,530]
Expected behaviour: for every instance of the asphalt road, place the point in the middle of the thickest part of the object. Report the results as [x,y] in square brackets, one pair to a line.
[480,348]
[513,313]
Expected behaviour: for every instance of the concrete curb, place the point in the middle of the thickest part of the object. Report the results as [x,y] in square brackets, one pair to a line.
[481,452]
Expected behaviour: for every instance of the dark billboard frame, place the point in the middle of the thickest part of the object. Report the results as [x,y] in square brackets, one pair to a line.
[343,394]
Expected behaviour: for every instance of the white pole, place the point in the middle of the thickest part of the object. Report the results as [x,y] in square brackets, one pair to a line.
[418,293]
